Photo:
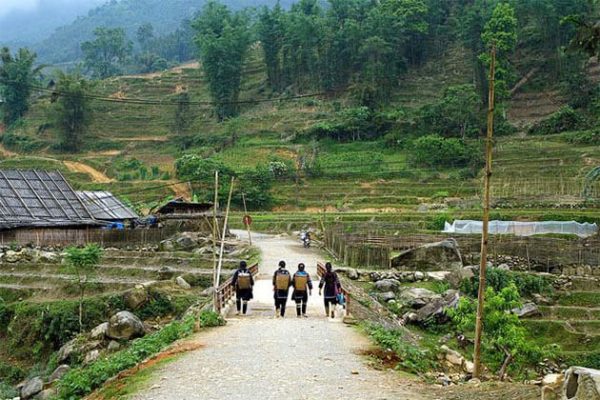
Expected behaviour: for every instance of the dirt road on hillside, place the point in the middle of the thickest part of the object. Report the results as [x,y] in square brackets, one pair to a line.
[263,358]
[96,175]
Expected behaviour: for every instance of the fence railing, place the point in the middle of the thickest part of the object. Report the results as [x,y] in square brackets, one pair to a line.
[226,291]
[321,271]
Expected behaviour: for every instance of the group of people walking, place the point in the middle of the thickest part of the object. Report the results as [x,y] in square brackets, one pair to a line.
[282,282]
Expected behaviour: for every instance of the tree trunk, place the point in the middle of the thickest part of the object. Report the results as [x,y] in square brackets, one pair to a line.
[505,364]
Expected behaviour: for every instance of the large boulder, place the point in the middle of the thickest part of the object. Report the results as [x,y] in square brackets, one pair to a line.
[387,296]
[32,387]
[12,256]
[581,384]
[59,372]
[165,273]
[68,349]
[528,309]
[387,285]
[185,242]
[136,297]
[124,326]
[99,332]
[417,297]
[182,283]
[439,256]
[435,310]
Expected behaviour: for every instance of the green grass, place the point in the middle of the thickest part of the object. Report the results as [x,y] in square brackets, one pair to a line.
[583,299]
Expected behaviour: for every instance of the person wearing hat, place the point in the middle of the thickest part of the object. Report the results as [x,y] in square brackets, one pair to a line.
[302,289]
[244,284]
[281,286]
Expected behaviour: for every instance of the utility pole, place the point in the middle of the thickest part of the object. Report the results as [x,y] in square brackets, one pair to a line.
[486,217]
[246,222]
[224,232]
[214,240]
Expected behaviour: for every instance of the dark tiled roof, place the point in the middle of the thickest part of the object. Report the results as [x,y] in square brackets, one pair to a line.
[39,198]
[105,206]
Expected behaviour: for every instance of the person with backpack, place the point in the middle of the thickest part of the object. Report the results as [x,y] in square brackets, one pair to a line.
[243,282]
[281,286]
[302,289]
[331,283]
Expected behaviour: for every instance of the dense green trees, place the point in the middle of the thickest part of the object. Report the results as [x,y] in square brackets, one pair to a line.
[223,38]
[72,111]
[105,55]
[17,75]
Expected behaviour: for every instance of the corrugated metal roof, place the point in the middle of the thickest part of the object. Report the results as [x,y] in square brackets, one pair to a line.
[105,206]
[39,198]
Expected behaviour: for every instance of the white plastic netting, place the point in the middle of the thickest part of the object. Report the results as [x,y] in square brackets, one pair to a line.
[523,228]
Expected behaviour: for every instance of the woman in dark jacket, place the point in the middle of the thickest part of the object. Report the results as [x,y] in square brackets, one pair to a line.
[332,285]
[243,283]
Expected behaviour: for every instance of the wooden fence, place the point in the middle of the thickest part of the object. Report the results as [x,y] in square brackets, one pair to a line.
[226,291]
[320,272]
[81,236]
[376,249]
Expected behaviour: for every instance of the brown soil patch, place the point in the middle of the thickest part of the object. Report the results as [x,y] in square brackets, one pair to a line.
[118,381]
[182,190]
[143,139]
[180,68]
[6,153]
[118,95]
[96,175]
[384,359]
[180,89]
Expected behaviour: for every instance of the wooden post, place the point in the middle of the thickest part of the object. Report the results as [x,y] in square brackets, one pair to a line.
[223,233]
[214,240]
[486,218]
[246,213]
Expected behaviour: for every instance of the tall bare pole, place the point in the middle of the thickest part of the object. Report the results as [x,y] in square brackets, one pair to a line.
[245,214]
[486,216]
[224,232]
[214,239]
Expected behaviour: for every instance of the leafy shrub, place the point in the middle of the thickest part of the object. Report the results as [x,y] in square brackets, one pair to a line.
[200,169]
[590,137]
[210,319]
[7,391]
[80,381]
[438,221]
[21,143]
[10,373]
[565,119]
[498,279]
[505,339]
[457,114]
[434,150]
[412,358]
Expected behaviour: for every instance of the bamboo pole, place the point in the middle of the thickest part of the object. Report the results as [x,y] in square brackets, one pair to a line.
[220,265]
[245,214]
[486,218]
[214,240]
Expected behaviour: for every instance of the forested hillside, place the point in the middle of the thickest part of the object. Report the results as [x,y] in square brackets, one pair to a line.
[386,100]
[63,45]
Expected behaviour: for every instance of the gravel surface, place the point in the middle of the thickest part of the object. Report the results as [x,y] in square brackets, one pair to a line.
[261,357]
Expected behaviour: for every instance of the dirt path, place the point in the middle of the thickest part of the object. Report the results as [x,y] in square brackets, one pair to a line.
[96,175]
[182,190]
[263,358]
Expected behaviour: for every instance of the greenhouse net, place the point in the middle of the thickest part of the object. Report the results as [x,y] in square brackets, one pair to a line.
[523,228]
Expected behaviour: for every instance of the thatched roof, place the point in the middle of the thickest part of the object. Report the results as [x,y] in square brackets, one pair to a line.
[39,198]
[105,206]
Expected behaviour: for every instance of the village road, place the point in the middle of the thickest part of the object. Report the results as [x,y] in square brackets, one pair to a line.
[259,357]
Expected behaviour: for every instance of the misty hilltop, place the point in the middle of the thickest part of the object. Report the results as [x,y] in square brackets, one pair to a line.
[55,29]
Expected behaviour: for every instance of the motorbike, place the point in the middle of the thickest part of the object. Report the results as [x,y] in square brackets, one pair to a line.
[305,240]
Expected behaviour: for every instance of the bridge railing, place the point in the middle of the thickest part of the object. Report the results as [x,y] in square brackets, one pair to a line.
[226,291]
[321,271]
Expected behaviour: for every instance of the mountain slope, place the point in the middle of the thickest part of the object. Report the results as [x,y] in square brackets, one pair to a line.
[64,44]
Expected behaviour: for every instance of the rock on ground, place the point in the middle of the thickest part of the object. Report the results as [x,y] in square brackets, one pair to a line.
[439,256]
[125,325]
[59,372]
[581,384]
[32,387]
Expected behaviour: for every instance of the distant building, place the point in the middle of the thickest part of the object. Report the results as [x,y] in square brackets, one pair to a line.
[41,208]
[186,216]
